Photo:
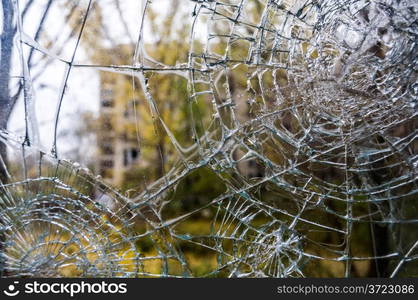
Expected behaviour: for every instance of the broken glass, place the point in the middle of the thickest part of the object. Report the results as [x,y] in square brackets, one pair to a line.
[192,138]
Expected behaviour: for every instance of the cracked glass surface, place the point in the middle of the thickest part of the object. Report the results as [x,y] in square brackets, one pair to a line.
[298,118]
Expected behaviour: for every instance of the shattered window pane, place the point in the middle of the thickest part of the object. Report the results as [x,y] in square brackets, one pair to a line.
[191,138]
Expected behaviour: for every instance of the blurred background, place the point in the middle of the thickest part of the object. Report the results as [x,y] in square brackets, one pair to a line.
[125,89]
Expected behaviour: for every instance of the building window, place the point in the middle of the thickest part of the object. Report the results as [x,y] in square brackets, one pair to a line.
[107,93]
[106,163]
[107,103]
[107,124]
[130,155]
[107,98]
[107,148]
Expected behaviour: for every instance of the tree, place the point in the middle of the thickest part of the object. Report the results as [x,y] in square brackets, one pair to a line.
[13,20]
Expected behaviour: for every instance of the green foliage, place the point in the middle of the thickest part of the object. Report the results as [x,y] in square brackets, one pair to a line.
[194,191]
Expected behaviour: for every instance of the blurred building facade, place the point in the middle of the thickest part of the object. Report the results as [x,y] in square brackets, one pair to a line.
[118,148]
[125,121]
